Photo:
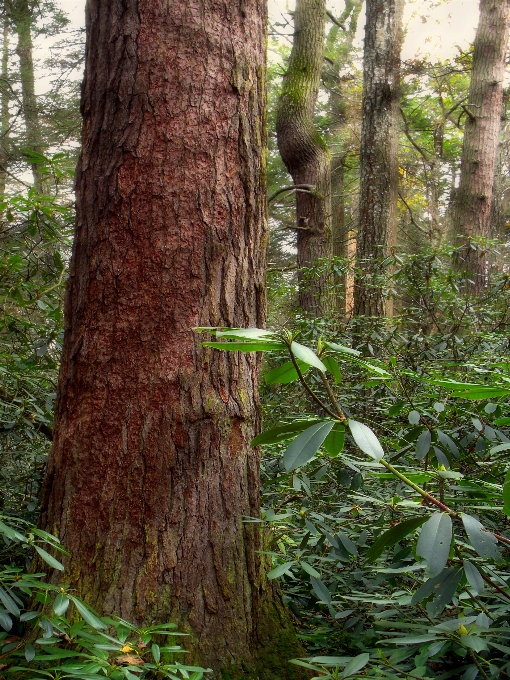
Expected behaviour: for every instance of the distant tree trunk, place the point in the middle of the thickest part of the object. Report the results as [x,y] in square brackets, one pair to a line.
[473,199]
[305,153]
[339,45]
[379,151]
[151,471]
[4,107]
[21,16]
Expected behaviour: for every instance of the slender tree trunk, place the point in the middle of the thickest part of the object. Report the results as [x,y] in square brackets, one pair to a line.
[379,151]
[339,50]
[473,200]
[4,107]
[151,472]
[305,153]
[21,16]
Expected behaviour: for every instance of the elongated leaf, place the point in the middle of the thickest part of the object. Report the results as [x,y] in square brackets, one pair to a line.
[156,653]
[372,368]
[445,593]
[411,640]
[506,495]
[254,346]
[332,366]
[49,559]
[61,604]
[355,665]
[334,442]
[500,447]
[245,333]
[306,445]
[347,543]
[87,615]
[306,355]
[5,621]
[430,586]
[11,533]
[9,603]
[392,536]
[474,577]
[29,652]
[482,541]
[321,590]
[448,442]
[423,444]
[286,373]
[282,432]
[280,570]
[342,348]
[435,541]
[309,569]
[366,440]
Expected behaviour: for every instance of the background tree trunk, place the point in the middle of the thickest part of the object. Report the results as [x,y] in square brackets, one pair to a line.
[379,151]
[21,16]
[151,472]
[305,153]
[473,200]
[4,106]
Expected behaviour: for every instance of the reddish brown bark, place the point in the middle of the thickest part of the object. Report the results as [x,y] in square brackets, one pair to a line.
[151,472]
[473,199]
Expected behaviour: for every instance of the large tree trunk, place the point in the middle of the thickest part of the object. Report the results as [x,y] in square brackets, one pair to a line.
[306,155]
[473,200]
[379,151]
[151,472]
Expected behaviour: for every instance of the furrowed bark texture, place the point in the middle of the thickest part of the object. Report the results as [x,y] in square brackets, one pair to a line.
[151,472]
[305,153]
[473,199]
[379,151]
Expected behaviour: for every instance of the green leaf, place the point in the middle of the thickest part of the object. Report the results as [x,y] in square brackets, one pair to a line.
[9,603]
[61,604]
[87,615]
[445,592]
[286,373]
[334,442]
[309,569]
[280,570]
[306,445]
[321,590]
[282,432]
[332,366]
[245,333]
[411,640]
[482,541]
[435,541]
[307,356]
[392,536]
[49,559]
[355,665]
[423,444]
[12,533]
[156,654]
[474,577]
[255,346]
[29,652]
[366,440]
[506,495]
[341,348]
[347,543]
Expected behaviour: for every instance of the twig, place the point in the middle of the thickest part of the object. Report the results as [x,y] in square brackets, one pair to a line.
[309,188]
